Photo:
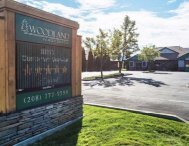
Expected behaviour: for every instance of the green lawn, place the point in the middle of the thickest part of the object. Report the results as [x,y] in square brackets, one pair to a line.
[102,126]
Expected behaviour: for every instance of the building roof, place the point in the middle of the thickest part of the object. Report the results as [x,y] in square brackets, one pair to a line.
[161,58]
[186,50]
[179,52]
[177,49]
[184,56]
[134,58]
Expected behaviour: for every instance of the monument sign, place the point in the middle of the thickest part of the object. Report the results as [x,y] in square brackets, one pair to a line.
[40,73]
[43,72]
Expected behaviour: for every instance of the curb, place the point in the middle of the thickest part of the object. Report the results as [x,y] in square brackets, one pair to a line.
[154,114]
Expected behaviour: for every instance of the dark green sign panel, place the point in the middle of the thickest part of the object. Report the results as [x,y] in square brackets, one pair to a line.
[42,66]
[32,99]
[33,30]
[43,62]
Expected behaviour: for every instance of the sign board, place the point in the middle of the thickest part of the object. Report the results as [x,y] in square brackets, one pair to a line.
[31,99]
[40,66]
[37,31]
[43,62]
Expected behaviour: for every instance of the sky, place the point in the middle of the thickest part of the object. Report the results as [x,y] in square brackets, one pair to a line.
[159,22]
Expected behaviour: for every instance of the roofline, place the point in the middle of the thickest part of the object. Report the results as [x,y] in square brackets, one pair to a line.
[183,55]
[169,49]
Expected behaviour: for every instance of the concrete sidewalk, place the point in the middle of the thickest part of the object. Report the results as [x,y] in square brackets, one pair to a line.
[161,92]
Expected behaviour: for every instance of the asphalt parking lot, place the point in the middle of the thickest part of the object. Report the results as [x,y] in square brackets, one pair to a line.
[159,92]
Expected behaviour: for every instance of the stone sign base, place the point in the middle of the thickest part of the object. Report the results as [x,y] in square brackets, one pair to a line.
[19,126]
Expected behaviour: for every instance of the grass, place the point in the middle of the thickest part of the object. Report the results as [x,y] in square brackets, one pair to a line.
[108,127]
[105,76]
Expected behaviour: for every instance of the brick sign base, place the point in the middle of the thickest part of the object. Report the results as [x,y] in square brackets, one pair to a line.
[20,126]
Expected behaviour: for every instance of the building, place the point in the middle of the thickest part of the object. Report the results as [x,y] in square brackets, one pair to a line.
[183,62]
[172,58]
[135,64]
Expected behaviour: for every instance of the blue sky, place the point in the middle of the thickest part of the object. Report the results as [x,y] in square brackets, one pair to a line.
[159,22]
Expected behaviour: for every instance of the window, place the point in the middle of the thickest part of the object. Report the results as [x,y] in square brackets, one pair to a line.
[131,64]
[144,64]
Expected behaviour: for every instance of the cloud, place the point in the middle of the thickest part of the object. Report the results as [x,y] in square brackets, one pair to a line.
[96,4]
[182,9]
[152,28]
[55,8]
[171,1]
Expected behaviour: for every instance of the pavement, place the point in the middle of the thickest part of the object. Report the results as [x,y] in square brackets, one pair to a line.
[165,93]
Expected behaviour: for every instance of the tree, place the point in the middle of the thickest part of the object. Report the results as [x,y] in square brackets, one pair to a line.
[90,64]
[149,53]
[102,49]
[130,42]
[115,43]
[99,49]
[90,44]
